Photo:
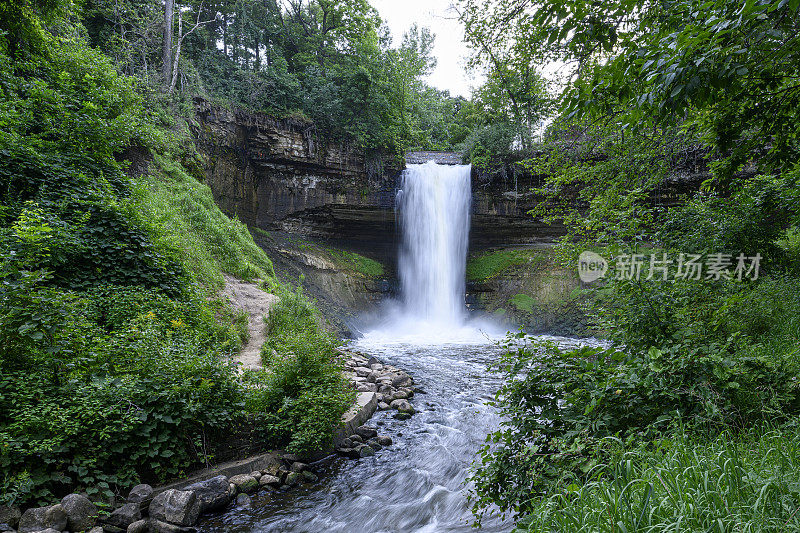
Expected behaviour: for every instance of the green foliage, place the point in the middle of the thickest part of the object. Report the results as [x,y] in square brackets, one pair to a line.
[490,264]
[114,350]
[190,223]
[732,483]
[302,393]
[523,302]
[364,265]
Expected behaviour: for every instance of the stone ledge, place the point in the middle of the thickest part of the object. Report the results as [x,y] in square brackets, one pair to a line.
[362,410]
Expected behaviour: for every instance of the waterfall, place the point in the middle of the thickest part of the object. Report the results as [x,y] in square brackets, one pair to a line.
[434,210]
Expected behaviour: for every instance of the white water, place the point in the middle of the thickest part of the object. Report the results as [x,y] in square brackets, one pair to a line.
[433,206]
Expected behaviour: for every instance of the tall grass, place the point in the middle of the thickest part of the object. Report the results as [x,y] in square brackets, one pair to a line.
[190,223]
[750,483]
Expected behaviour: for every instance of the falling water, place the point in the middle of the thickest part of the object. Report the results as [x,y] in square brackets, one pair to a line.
[434,208]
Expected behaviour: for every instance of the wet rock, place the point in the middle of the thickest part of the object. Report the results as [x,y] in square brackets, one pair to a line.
[297,466]
[374,445]
[10,515]
[294,478]
[409,392]
[125,516]
[356,439]
[384,440]
[140,526]
[213,494]
[346,443]
[245,483]
[41,518]
[81,512]
[157,526]
[256,474]
[232,490]
[399,395]
[365,451]
[243,500]
[402,416]
[309,476]
[372,360]
[377,367]
[383,406]
[403,406]
[385,389]
[348,452]
[179,507]
[366,432]
[140,493]
[401,380]
[268,480]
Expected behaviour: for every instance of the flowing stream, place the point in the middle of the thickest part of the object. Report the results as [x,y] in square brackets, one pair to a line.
[420,483]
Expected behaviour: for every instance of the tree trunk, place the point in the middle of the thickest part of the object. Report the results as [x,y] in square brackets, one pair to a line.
[177,54]
[169,8]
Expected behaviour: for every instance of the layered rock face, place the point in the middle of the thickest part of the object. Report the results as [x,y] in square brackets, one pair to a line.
[277,174]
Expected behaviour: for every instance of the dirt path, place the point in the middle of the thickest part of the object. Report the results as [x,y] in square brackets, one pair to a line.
[256,303]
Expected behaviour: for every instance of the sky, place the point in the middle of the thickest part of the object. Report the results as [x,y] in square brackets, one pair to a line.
[450,51]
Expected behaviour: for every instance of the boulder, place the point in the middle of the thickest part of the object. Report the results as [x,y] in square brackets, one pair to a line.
[124,516]
[297,466]
[41,518]
[402,416]
[245,483]
[403,406]
[356,439]
[383,406]
[10,515]
[256,474]
[373,376]
[401,380]
[363,371]
[213,494]
[157,526]
[366,432]
[268,480]
[309,476]
[181,507]
[243,500]
[383,440]
[140,493]
[365,451]
[140,526]
[81,512]
[399,395]
[294,478]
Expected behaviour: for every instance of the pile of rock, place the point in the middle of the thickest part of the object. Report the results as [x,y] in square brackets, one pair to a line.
[394,387]
[363,443]
[169,511]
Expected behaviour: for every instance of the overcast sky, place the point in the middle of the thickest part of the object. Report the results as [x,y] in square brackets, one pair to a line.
[450,51]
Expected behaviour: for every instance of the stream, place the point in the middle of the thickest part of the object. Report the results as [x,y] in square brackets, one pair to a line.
[419,484]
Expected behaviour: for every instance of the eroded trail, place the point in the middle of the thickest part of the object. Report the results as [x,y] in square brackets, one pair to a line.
[256,303]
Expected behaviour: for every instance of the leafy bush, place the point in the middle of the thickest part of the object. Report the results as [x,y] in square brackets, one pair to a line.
[302,393]
[713,359]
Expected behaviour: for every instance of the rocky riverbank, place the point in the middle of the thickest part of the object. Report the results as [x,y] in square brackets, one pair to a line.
[176,508]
